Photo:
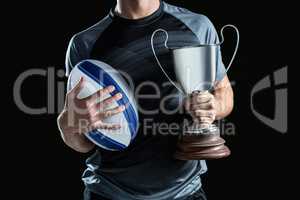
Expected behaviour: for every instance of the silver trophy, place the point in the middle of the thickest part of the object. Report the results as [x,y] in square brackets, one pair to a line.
[195,68]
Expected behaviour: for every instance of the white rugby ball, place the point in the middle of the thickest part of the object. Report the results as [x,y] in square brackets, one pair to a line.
[99,75]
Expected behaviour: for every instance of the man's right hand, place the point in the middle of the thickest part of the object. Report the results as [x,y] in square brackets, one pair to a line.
[82,115]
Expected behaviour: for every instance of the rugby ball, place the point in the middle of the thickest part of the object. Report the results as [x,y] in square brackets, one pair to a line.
[98,75]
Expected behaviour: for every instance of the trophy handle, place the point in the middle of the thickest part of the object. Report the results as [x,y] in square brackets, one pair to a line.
[237,42]
[157,60]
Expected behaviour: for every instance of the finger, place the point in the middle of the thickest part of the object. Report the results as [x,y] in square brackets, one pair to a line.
[205,120]
[77,88]
[108,113]
[73,93]
[100,93]
[203,106]
[114,111]
[205,113]
[100,106]
[202,98]
[202,120]
[199,92]
[102,125]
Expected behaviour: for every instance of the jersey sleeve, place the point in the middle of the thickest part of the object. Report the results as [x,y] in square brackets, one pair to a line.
[207,34]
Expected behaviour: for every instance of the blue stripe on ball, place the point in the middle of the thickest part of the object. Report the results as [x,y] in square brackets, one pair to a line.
[105,141]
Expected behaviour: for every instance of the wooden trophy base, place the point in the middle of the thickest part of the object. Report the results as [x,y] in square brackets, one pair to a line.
[206,146]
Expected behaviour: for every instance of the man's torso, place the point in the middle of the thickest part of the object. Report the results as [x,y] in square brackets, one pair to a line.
[146,169]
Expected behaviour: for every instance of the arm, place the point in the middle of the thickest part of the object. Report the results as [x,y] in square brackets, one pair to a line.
[223,95]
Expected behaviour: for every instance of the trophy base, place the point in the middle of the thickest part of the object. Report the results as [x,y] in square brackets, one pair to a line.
[201,144]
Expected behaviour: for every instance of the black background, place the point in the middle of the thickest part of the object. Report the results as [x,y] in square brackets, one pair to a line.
[39,165]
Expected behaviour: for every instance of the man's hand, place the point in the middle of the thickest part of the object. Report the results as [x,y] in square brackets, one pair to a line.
[202,107]
[205,107]
[82,115]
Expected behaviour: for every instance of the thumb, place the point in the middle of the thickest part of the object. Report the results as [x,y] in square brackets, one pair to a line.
[187,104]
[204,92]
[72,94]
[77,88]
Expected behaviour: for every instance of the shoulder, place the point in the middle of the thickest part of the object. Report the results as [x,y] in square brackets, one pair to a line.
[186,15]
[88,36]
[81,43]
[198,23]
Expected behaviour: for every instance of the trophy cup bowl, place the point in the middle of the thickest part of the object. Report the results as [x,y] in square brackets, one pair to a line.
[195,69]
